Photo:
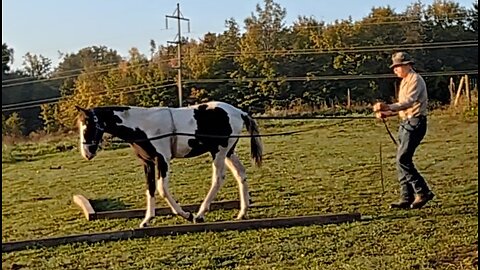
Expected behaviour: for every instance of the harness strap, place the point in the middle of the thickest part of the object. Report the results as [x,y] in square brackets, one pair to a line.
[173,138]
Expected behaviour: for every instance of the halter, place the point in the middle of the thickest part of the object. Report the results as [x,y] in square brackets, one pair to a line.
[98,131]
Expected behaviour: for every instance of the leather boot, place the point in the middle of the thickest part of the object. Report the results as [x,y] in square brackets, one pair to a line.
[402,204]
[422,199]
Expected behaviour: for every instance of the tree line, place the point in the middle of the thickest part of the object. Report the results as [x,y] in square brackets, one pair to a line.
[260,66]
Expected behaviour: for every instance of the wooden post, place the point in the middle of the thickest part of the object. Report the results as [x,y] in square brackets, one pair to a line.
[348,99]
[451,88]
[467,89]
[85,206]
[459,91]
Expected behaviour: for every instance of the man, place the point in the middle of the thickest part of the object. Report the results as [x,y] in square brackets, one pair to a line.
[412,109]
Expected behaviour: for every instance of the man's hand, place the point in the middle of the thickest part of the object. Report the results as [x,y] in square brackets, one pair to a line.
[380,106]
[383,114]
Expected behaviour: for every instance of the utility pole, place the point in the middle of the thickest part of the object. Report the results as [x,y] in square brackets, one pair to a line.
[177,15]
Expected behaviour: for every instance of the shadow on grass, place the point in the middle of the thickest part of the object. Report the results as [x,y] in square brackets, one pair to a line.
[432,211]
[106,204]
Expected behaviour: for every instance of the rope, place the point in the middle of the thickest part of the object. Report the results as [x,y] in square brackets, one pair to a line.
[224,136]
[389,132]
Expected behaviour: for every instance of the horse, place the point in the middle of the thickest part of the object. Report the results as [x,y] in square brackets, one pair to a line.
[159,134]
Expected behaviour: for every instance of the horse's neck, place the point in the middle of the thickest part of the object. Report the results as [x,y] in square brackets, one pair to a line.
[108,115]
[111,116]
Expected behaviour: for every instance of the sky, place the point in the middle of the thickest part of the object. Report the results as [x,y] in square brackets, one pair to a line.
[49,27]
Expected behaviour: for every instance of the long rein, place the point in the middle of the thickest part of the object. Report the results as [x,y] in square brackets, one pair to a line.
[175,133]
[165,135]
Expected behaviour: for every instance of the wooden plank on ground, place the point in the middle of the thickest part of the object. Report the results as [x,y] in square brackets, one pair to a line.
[181,229]
[140,213]
[85,206]
[91,214]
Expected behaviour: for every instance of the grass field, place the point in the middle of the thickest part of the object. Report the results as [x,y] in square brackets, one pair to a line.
[332,169]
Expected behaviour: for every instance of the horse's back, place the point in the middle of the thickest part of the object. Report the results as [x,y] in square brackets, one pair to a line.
[221,111]
[213,123]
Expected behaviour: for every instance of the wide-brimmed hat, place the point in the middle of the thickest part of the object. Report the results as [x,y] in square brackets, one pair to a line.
[401,58]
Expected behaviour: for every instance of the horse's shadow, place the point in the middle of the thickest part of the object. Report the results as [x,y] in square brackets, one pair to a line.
[108,204]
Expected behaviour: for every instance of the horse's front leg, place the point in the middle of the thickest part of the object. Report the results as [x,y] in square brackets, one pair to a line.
[218,176]
[162,185]
[149,168]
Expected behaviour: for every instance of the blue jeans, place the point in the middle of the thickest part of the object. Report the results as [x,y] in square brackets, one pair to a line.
[410,134]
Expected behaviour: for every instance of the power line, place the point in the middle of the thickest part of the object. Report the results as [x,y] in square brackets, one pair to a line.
[353,49]
[35,103]
[68,96]
[59,73]
[377,48]
[50,101]
[362,23]
[76,75]
[332,77]
[426,18]
[319,26]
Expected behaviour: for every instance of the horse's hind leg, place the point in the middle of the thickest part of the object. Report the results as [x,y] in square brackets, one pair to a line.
[218,176]
[149,169]
[162,186]
[238,171]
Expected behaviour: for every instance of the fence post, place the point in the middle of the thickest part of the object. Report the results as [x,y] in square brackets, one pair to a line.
[451,88]
[459,91]
[348,99]
[467,89]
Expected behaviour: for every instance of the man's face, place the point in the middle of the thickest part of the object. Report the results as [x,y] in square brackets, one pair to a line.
[401,70]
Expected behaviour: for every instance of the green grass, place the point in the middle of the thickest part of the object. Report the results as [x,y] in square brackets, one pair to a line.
[330,169]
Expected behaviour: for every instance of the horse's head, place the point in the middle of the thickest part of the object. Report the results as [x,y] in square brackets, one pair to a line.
[91,130]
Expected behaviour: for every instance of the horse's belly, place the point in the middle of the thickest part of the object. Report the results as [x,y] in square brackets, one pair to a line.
[192,147]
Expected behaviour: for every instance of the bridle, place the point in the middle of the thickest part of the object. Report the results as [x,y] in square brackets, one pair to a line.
[97,135]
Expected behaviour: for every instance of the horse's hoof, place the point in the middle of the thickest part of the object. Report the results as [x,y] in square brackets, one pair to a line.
[199,220]
[144,225]
[190,217]
[243,217]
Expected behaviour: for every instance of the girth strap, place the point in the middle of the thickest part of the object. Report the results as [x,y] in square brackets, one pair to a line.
[173,138]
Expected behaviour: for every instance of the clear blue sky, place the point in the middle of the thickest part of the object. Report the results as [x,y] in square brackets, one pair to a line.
[48,26]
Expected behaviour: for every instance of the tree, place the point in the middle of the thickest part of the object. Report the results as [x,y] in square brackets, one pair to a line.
[473,18]
[12,125]
[260,52]
[7,58]
[36,66]
[73,64]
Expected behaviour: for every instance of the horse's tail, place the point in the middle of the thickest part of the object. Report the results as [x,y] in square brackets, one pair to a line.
[256,147]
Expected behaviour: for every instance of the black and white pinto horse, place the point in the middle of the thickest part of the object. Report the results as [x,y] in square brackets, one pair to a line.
[160,134]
